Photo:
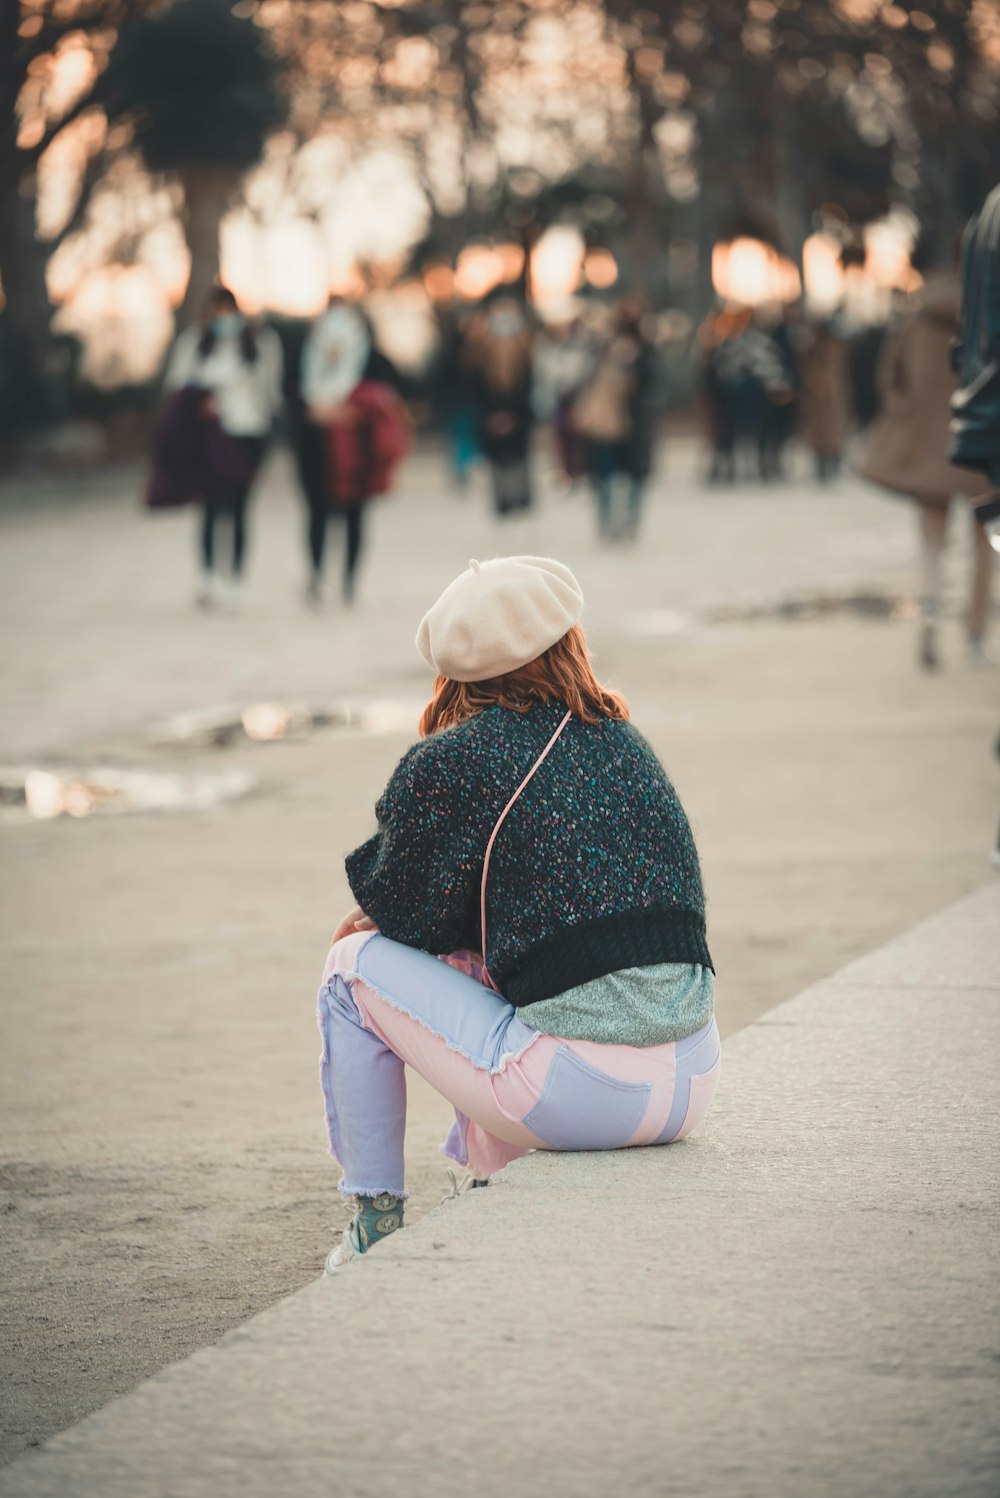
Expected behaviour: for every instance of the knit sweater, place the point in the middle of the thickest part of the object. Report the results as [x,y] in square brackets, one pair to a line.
[593,871]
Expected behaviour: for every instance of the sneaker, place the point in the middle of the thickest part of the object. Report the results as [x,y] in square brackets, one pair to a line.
[376,1217]
[348,1248]
[460,1187]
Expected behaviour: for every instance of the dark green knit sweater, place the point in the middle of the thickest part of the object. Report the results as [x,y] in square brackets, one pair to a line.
[594,870]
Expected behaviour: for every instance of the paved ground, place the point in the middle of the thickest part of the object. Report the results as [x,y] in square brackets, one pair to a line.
[97,595]
[163,1158]
[801,1299]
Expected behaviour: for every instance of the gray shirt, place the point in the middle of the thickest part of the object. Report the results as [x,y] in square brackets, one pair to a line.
[639,1006]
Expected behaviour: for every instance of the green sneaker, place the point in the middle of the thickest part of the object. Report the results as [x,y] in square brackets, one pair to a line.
[375,1218]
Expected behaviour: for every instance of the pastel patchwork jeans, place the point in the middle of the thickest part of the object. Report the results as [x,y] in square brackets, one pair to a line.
[513,1089]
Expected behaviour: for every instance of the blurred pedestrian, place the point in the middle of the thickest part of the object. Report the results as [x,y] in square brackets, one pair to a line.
[907,449]
[226,373]
[782,327]
[615,414]
[564,358]
[455,398]
[745,379]
[865,351]
[354,433]
[975,405]
[826,397]
[500,362]
[719,327]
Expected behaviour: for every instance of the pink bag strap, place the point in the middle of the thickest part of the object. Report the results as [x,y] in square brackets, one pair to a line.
[493,837]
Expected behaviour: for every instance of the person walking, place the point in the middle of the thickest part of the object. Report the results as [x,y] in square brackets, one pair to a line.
[354,432]
[457,405]
[744,383]
[226,375]
[907,452]
[975,405]
[564,358]
[530,927]
[499,351]
[614,413]
[826,397]
[721,375]
[781,326]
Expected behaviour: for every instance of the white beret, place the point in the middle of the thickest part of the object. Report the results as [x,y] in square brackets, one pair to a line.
[499,615]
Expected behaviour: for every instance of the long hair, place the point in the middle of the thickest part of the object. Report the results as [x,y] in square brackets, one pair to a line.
[222,296]
[563,674]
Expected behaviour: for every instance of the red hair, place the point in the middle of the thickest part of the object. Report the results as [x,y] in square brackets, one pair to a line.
[562,674]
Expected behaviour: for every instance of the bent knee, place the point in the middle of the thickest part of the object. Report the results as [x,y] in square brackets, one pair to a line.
[342,958]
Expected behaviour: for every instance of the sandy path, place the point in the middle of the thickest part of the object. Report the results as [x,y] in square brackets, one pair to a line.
[163,1153]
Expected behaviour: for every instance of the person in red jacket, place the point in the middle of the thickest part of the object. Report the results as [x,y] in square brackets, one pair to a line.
[356,431]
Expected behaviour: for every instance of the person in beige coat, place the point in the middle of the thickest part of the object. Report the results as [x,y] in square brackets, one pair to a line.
[827,400]
[908,452]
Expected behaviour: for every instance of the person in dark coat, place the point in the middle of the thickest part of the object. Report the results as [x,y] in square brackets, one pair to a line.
[616,415]
[499,354]
[781,389]
[454,397]
[234,370]
[746,386]
[975,405]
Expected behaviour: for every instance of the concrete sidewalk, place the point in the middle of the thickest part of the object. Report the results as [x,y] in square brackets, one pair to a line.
[158,1102]
[103,641]
[798,1301]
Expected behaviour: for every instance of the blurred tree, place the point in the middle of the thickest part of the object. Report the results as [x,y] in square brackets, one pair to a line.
[199,86]
[674,119]
[414,75]
[944,57]
[492,102]
[51,56]
[769,132]
[797,104]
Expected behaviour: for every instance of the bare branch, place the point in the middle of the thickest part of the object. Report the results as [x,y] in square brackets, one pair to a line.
[86,101]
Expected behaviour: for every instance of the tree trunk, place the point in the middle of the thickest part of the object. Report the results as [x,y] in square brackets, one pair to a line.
[22,270]
[644,185]
[709,212]
[644,250]
[28,313]
[207,194]
[789,197]
[944,214]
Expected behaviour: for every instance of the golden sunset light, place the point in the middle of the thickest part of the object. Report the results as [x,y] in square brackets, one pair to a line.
[499,505]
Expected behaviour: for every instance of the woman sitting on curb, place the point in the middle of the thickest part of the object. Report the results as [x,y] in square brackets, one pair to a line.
[534,825]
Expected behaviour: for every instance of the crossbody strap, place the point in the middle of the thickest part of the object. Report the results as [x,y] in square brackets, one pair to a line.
[493,837]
